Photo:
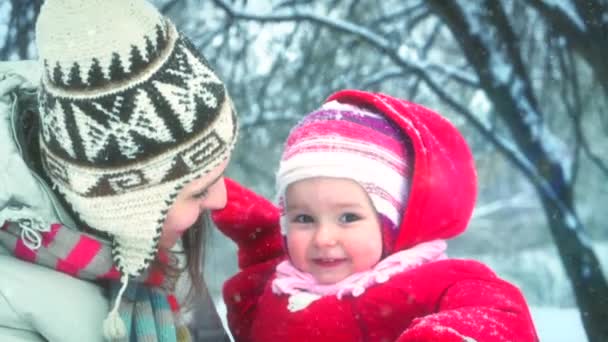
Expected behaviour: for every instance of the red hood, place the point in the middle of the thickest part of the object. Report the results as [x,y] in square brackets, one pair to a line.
[444,184]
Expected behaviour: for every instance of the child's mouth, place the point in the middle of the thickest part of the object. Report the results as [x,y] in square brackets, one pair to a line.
[328,262]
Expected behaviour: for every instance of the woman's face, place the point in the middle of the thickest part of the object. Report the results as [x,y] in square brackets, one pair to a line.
[207,192]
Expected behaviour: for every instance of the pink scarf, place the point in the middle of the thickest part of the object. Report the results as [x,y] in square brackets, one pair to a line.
[291,281]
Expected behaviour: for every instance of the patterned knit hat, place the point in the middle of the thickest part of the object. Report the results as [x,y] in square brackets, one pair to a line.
[345,141]
[130,113]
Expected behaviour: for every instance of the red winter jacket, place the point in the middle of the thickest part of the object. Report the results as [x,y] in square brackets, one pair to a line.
[445,301]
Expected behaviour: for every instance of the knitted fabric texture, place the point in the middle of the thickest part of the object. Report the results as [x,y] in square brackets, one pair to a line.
[130,113]
[150,313]
[344,141]
[292,281]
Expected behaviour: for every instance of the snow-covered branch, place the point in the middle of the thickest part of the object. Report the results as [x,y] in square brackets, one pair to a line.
[407,63]
[521,200]
[584,24]
[299,15]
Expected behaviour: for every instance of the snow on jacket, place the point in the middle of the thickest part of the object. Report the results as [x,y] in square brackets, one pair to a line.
[447,300]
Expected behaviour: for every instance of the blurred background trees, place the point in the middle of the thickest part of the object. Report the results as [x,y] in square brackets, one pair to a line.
[525,81]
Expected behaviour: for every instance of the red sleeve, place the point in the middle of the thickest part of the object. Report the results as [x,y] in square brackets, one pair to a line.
[479,308]
[252,223]
[241,295]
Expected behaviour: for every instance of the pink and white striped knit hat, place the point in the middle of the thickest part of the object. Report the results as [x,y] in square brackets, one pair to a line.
[345,141]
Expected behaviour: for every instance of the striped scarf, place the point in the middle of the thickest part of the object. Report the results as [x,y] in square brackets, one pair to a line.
[148,311]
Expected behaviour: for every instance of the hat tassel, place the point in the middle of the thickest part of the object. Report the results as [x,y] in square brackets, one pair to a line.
[113,326]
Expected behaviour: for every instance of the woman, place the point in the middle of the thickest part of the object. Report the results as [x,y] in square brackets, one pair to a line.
[132,130]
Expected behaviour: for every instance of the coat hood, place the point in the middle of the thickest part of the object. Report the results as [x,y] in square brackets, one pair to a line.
[444,181]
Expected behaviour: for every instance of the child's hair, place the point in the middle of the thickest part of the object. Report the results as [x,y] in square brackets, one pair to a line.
[346,141]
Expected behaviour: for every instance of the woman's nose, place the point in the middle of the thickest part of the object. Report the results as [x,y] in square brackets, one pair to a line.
[216,196]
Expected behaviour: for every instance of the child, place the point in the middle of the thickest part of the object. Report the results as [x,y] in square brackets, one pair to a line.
[370,187]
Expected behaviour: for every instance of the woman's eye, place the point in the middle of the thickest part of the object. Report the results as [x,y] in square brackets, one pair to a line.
[349,217]
[201,195]
[302,219]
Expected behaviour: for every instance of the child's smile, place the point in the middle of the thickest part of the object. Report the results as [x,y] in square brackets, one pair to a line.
[332,228]
[328,262]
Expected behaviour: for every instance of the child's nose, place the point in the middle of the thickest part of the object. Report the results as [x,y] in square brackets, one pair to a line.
[325,235]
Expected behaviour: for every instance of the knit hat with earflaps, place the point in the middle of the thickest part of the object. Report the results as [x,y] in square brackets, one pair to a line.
[130,113]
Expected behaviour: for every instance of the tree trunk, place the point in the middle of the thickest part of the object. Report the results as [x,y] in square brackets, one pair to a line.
[585,30]
[583,269]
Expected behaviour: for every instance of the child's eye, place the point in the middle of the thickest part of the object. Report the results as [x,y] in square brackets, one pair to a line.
[349,217]
[302,218]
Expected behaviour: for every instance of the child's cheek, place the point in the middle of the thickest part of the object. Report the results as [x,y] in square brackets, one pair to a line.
[296,248]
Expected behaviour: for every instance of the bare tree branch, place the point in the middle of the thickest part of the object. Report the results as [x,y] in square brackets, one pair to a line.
[575,110]
[373,39]
[167,7]
[291,3]
[573,106]
[583,25]
[278,63]
[382,77]
[395,14]
[264,122]
[352,7]
[20,31]
[417,18]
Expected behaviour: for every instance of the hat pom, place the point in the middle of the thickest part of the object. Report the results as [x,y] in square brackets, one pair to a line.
[113,327]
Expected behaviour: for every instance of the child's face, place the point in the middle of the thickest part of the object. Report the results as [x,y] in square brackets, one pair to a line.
[333,230]
[207,192]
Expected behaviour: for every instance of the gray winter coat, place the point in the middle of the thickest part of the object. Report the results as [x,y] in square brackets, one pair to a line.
[38,303]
